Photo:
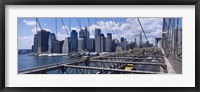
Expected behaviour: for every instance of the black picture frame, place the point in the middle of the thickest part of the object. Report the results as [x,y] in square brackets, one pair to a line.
[3,3]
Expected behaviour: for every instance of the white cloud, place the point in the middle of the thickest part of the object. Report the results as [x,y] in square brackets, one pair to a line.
[34,30]
[47,29]
[75,28]
[29,23]
[61,36]
[131,28]
[45,24]
[64,27]
[25,42]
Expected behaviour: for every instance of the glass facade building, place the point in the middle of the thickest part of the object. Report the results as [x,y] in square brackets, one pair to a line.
[108,42]
[97,40]
[66,45]
[80,44]
[91,45]
[52,38]
[35,44]
[43,37]
[102,46]
[74,41]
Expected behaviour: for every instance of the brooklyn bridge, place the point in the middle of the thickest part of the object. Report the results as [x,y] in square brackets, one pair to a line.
[165,57]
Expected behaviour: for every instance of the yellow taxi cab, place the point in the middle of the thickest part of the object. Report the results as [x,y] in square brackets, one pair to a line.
[130,67]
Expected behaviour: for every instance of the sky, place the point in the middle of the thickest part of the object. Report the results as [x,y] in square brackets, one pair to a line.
[119,27]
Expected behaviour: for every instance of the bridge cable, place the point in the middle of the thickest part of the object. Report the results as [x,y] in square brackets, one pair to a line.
[64,26]
[142,29]
[79,22]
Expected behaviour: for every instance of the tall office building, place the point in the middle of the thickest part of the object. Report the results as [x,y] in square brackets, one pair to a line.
[66,45]
[114,45]
[80,44]
[74,41]
[98,44]
[61,45]
[124,43]
[81,33]
[97,40]
[35,44]
[102,46]
[108,42]
[141,42]
[97,32]
[135,43]
[57,46]
[91,45]
[85,35]
[130,45]
[43,37]
[52,38]
[86,38]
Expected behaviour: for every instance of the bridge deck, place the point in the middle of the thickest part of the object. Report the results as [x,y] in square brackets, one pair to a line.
[129,62]
[112,58]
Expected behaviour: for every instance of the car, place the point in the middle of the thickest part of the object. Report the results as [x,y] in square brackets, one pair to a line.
[130,67]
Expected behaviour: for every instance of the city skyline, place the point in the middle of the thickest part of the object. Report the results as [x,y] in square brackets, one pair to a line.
[118,27]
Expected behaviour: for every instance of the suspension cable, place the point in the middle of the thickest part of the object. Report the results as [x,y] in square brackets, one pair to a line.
[64,26]
[142,29]
[39,23]
[79,22]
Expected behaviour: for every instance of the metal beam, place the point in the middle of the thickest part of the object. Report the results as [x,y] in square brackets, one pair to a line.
[157,56]
[128,62]
[132,58]
[114,70]
[74,63]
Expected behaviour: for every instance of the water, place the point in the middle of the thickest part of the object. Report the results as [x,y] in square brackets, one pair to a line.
[25,61]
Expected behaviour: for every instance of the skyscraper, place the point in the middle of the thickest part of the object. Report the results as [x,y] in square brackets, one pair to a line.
[98,44]
[97,40]
[35,44]
[81,33]
[80,44]
[102,46]
[74,41]
[91,45]
[57,46]
[52,38]
[97,32]
[115,43]
[86,38]
[141,42]
[43,37]
[135,43]
[124,42]
[108,42]
[85,35]
[61,45]
[66,45]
